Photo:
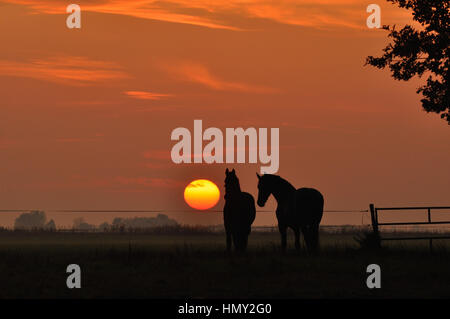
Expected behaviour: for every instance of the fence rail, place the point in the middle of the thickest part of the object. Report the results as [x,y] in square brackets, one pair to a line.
[375,223]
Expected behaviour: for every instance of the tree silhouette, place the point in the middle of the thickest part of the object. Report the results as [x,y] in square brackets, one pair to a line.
[32,220]
[423,51]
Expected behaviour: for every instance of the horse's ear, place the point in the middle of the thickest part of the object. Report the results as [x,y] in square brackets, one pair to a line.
[227,171]
[233,171]
[259,176]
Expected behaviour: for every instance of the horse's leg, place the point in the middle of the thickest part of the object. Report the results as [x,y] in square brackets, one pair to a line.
[315,237]
[297,238]
[228,241]
[283,232]
[307,236]
[246,235]
[244,241]
[237,241]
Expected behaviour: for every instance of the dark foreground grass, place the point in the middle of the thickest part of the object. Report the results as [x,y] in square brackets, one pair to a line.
[33,265]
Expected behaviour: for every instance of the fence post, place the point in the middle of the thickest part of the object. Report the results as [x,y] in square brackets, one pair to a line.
[431,239]
[374,217]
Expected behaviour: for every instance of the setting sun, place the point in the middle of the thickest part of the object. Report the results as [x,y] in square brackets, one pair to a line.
[201,194]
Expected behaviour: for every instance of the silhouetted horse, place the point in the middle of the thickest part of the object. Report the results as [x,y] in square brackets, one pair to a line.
[299,209]
[238,213]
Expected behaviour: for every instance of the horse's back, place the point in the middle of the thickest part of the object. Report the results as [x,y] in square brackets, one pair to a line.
[309,202]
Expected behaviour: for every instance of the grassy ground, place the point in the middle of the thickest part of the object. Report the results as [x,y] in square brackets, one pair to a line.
[114,265]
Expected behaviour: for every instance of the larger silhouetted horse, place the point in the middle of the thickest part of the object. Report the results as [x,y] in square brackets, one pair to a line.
[300,209]
[238,213]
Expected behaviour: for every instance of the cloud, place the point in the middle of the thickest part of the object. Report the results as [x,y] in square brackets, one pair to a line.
[172,11]
[228,14]
[157,165]
[77,140]
[142,95]
[68,70]
[111,184]
[158,159]
[150,182]
[197,73]
[197,183]
[157,154]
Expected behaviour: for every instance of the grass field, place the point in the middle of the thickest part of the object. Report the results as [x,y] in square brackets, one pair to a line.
[142,265]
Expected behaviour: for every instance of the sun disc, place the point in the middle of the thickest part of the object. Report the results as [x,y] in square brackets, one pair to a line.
[201,194]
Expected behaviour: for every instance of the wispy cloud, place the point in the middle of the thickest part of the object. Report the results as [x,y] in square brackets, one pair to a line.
[65,70]
[150,182]
[78,139]
[197,183]
[157,159]
[157,154]
[227,14]
[142,95]
[170,11]
[117,184]
[198,73]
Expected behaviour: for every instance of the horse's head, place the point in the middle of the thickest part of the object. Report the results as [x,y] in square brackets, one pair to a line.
[231,181]
[264,190]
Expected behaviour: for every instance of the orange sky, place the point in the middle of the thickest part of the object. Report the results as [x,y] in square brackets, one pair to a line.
[86,115]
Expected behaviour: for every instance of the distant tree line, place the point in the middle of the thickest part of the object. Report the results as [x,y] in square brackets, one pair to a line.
[37,220]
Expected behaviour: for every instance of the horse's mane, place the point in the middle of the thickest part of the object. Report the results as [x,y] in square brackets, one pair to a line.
[280,181]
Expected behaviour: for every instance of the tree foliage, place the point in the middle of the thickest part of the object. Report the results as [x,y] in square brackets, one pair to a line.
[32,220]
[424,51]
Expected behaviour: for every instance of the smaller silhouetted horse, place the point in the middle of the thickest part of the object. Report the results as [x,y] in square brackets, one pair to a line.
[238,213]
